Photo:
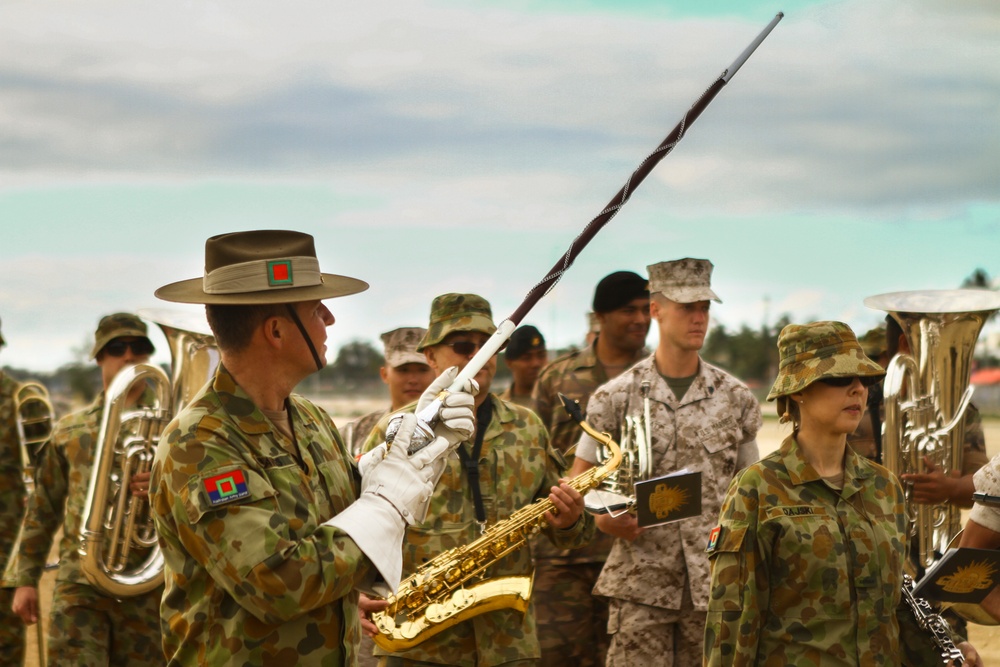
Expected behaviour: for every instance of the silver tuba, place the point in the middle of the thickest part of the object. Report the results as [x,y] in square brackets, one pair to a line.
[116,523]
[926,396]
[616,494]
[35,417]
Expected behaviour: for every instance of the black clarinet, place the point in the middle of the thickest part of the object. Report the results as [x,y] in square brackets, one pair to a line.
[930,621]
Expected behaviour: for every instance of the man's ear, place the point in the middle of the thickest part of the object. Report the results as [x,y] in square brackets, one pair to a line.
[431,357]
[273,331]
[384,374]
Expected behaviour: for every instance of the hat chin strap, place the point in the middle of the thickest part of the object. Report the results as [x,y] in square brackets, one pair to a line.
[305,335]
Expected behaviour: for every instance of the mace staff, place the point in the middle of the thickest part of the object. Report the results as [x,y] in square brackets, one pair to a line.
[427,417]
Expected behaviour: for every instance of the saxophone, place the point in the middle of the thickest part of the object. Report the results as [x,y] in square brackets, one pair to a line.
[931,622]
[450,588]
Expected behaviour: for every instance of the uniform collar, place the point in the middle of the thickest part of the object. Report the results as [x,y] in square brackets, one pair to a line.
[856,472]
[238,404]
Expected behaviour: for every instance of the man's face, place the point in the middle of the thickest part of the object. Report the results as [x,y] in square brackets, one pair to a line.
[443,356]
[407,382]
[315,318]
[683,326]
[626,327]
[526,368]
[119,353]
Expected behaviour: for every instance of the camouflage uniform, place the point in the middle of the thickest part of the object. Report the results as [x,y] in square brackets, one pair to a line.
[252,575]
[803,574]
[572,622]
[525,401]
[516,467]
[86,625]
[664,573]
[12,494]
[356,433]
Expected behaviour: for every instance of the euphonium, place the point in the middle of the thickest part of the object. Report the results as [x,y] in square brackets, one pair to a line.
[35,417]
[616,494]
[451,587]
[926,395]
[115,521]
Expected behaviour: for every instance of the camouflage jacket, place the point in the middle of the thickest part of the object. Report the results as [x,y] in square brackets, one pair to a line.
[525,401]
[12,491]
[252,575]
[577,375]
[712,430]
[803,574]
[516,467]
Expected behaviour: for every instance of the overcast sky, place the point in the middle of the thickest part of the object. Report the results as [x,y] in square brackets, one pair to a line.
[435,146]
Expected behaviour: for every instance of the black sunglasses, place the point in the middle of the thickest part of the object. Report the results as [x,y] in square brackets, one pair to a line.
[140,347]
[465,347]
[867,381]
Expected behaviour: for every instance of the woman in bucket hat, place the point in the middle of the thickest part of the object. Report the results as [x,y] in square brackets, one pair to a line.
[267,530]
[807,559]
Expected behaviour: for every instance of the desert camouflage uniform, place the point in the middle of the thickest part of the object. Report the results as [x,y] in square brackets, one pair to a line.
[516,467]
[572,621]
[255,578]
[803,574]
[664,572]
[12,494]
[356,433]
[85,627]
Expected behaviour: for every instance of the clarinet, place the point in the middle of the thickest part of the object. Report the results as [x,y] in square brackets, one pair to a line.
[930,621]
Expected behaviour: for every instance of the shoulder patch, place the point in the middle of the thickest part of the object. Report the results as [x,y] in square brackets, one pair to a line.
[713,539]
[226,487]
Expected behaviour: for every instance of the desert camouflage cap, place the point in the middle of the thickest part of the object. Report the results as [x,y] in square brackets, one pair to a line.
[817,350]
[117,325]
[401,346]
[683,280]
[457,312]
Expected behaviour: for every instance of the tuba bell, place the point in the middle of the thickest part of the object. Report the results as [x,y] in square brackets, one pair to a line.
[35,417]
[616,494]
[926,396]
[119,553]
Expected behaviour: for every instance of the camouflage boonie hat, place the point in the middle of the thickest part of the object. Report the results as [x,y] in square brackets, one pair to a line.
[118,326]
[873,342]
[457,312]
[401,346]
[684,280]
[817,350]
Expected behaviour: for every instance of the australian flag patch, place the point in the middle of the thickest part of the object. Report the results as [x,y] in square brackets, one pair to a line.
[226,487]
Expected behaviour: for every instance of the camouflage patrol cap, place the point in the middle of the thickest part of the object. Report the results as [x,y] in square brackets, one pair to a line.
[817,350]
[873,342]
[457,312]
[683,280]
[118,325]
[401,346]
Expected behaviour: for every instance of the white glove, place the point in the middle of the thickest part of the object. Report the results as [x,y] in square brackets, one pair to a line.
[395,489]
[457,414]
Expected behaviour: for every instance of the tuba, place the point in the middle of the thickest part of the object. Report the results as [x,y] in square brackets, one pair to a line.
[926,396]
[452,587]
[35,416]
[616,494]
[117,524]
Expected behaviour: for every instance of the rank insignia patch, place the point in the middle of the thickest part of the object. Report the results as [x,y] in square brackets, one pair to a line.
[279,272]
[713,539]
[225,487]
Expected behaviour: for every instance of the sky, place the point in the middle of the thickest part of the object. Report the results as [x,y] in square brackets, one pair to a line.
[436,146]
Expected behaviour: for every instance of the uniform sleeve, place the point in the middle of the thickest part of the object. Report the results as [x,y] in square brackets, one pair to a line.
[11,475]
[987,480]
[245,546]
[751,421]
[580,533]
[44,513]
[739,594]
[543,396]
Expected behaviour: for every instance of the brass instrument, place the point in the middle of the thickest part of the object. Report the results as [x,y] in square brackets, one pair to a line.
[35,417]
[115,522]
[616,494]
[450,588]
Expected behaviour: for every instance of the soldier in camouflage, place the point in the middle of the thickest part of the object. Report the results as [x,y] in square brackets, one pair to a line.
[507,465]
[572,621]
[405,373]
[807,558]
[525,355]
[702,419]
[268,527]
[12,494]
[87,627]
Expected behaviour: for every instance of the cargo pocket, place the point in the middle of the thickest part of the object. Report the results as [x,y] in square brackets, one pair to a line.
[728,562]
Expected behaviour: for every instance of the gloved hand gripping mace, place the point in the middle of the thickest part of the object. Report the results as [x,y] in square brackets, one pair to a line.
[427,418]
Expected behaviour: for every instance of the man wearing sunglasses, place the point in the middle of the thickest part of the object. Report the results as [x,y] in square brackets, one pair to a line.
[87,626]
[506,465]
[701,419]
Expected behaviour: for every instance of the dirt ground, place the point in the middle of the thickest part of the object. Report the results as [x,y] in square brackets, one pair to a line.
[985,639]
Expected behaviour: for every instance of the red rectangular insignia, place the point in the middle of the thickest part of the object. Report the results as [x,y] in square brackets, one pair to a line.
[226,487]
[279,272]
[713,539]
